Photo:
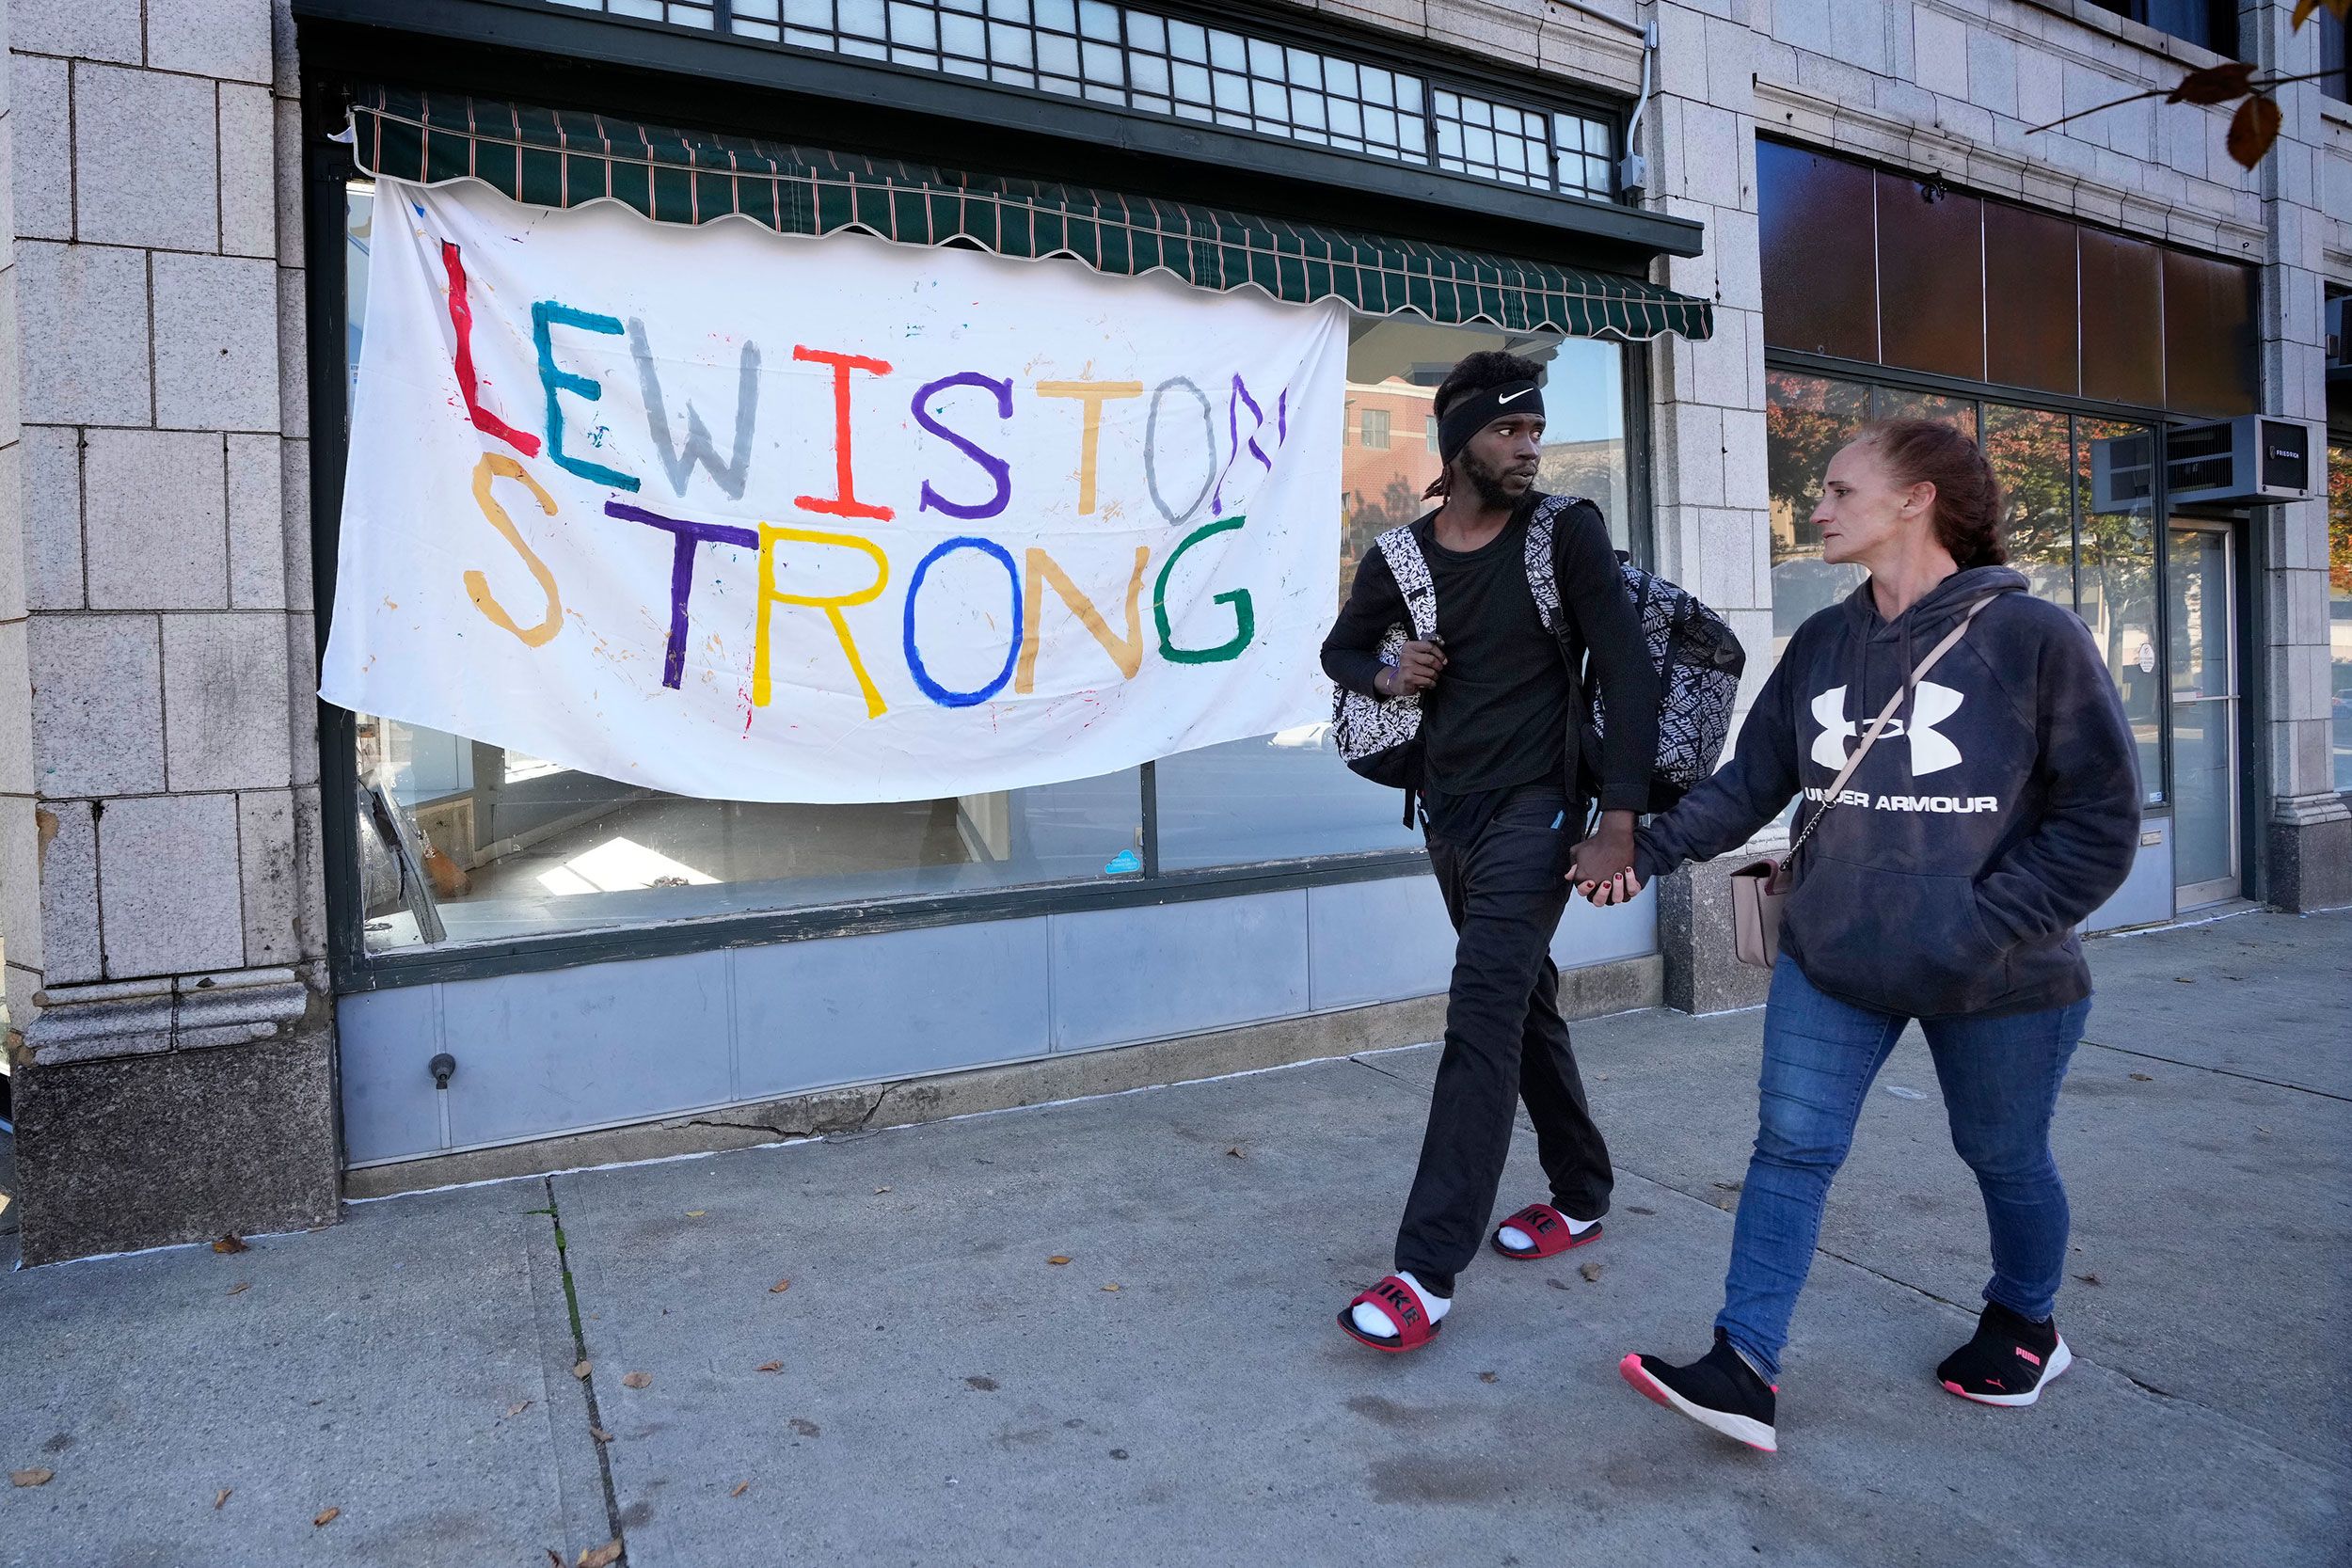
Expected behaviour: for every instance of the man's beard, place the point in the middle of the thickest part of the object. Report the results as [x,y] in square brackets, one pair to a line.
[1489,483]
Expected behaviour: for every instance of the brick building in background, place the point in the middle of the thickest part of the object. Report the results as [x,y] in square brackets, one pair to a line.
[240,929]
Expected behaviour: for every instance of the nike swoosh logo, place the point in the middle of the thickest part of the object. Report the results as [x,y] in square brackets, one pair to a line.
[1516,396]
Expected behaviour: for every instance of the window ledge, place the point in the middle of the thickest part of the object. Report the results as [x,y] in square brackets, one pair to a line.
[2137,34]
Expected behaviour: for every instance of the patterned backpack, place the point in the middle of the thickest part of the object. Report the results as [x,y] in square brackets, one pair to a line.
[1699,661]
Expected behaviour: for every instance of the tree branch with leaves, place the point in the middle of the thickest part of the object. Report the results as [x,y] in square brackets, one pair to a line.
[2254,129]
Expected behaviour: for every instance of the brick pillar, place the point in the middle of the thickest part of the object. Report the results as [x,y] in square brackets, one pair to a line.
[1711,522]
[2309,849]
[170,1038]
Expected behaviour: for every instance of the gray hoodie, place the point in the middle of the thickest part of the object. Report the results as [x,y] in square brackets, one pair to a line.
[1999,808]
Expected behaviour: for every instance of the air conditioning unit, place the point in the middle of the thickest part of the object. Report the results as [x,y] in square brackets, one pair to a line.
[2252,459]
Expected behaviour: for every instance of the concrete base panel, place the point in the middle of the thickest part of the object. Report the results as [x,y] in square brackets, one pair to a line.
[2310,864]
[1694,934]
[177,1145]
[1587,992]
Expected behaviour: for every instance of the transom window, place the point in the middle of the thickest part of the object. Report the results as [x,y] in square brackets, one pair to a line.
[1127,59]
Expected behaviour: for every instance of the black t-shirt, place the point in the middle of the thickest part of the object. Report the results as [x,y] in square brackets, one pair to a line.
[1498,715]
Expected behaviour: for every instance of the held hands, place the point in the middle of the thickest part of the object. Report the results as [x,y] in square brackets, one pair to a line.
[1602,867]
[1417,669]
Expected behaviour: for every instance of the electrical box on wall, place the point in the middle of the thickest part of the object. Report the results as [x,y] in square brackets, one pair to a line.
[2253,459]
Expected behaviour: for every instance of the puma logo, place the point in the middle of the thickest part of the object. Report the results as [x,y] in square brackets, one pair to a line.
[1931,752]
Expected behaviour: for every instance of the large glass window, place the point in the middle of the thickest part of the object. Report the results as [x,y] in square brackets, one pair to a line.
[2078,516]
[1289,794]
[2115,575]
[460,840]
[1130,59]
[2340,606]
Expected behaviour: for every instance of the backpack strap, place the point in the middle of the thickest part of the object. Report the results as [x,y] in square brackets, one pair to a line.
[1410,568]
[1542,556]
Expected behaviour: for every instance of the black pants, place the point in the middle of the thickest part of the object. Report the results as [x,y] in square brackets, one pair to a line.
[1505,1041]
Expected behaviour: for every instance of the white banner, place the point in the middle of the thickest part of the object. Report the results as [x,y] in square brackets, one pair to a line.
[732,514]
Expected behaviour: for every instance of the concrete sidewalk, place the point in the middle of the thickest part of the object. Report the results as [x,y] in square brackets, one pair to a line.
[943,1391]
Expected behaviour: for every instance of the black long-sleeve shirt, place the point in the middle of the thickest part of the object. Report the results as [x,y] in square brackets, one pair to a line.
[1508,710]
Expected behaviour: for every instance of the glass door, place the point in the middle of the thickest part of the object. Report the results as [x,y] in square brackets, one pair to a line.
[2204,677]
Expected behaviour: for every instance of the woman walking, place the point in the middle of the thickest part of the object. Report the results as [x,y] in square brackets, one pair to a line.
[1982,816]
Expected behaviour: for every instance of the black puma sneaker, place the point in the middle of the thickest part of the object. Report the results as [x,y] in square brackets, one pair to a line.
[2009,1360]
[1719,1391]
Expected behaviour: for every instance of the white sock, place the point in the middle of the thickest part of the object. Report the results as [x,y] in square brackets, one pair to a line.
[1519,1241]
[1381,1326]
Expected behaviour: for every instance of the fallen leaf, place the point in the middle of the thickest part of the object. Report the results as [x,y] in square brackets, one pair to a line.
[2253,129]
[241,1286]
[1237,1154]
[1591,1272]
[741,1487]
[602,1556]
[32,1478]
[878,1191]
[222,1498]
[2142,1078]
[1490,1377]
[2090,1279]
[2183,980]
[985,1385]
[555,1560]
[1728,1186]
[579,1370]
[769,1367]
[515,1410]
[327,1517]
[697,1213]
[1057,1259]
[2215,83]
[804,1427]
[1110,1287]
[1557,1284]
[637,1380]
[779,1287]
[230,1243]
[600,1434]
[1637,1209]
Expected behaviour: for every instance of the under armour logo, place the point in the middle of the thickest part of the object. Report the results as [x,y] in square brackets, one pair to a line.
[1930,705]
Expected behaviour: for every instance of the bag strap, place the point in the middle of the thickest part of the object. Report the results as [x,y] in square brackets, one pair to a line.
[1887,716]
[1410,568]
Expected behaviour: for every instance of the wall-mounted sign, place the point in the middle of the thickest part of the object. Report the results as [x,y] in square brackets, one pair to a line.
[728,513]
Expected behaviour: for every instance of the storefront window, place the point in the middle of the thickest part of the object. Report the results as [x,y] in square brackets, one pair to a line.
[2028,451]
[1806,418]
[1287,795]
[2116,576]
[2340,606]
[460,840]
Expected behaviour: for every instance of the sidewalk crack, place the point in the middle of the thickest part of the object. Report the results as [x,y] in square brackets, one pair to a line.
[588,1383]
[2219,1071]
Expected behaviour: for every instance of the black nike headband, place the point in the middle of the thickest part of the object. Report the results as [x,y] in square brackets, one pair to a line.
[1474,411]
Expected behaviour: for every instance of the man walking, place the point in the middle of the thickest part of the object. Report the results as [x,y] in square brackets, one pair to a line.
[1504,794]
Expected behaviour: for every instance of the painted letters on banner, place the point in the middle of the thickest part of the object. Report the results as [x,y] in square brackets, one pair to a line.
[727,512]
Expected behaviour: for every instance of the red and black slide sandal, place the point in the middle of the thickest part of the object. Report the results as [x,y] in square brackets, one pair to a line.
[1548,1227]
[1395,1297]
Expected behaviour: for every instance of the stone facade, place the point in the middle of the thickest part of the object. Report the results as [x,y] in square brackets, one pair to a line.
[161,885]
[171,1042]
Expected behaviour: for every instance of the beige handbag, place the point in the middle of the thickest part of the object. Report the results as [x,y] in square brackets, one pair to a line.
[1758,891]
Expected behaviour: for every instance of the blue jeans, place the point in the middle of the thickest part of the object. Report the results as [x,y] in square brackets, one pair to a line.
[2000,1078]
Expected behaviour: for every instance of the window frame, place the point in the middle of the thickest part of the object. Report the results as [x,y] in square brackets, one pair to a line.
[326,173]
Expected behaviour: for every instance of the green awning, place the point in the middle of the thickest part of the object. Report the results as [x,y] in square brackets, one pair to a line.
[567,158]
